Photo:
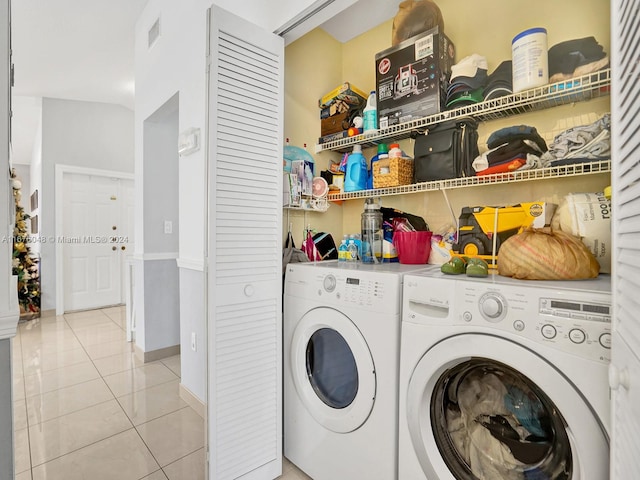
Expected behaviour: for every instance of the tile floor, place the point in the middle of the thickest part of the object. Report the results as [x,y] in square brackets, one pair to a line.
[86,408]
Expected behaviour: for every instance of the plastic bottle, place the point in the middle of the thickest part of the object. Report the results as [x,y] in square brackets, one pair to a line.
[352,252]
[383,152]
[395,151]
[370,115]
[371,222]
[342,252]
[356,174]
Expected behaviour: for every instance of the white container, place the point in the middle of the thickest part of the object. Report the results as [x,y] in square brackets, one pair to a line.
[370,115]
[530,59]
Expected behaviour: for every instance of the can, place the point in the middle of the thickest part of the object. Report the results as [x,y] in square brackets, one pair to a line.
[530,59]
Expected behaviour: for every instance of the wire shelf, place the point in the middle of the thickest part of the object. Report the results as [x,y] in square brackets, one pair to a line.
[601,166]
[577,89]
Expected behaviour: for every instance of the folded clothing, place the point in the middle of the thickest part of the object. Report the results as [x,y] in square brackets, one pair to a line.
[591,141]
[517,132]
[566,56]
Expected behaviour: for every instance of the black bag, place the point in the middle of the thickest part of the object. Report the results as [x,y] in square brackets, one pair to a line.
[447,150]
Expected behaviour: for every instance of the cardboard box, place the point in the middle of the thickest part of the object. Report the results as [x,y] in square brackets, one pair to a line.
[412,78]
[334,124]
[346,93]
[290,190]
[303,170]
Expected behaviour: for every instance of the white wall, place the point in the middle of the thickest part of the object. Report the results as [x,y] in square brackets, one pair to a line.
[86,134]
[35,172]
[176,63]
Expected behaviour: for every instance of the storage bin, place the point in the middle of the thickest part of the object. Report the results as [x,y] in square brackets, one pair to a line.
[391,172]
[413,247]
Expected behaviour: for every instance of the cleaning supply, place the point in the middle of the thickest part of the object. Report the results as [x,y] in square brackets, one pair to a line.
[342,251]
[371,222]
[370,115]
[383,152]
[395,151]
[352,252]
[356,174]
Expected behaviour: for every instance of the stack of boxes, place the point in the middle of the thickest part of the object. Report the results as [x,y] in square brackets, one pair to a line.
[337,110]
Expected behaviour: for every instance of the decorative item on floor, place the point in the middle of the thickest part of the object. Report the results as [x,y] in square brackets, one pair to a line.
[25,264]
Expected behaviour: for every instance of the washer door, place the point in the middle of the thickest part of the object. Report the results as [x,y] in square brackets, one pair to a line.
[502,412]
[333,370]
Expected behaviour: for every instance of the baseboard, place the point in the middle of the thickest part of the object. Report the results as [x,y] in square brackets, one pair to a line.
[155,355]
[193,401]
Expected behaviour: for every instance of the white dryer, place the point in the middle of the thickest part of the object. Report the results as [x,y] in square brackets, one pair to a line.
[504,379]
[341,360]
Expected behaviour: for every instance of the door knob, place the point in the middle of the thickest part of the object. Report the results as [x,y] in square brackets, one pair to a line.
[618,378]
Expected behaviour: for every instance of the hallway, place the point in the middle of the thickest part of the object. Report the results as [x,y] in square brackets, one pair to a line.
[86,408]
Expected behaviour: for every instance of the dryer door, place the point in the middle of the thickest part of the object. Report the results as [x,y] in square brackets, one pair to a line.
[333,370]
[500,412]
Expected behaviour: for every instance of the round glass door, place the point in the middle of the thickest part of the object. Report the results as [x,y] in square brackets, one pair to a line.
[490,421]
[333,370]
[501,412]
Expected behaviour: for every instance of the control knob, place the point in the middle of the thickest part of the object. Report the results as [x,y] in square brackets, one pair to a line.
[493,307]
[329,283]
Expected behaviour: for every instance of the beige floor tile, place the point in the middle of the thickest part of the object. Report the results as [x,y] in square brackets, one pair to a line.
[117,309]
[46,335]
[18,388]
[121,457]
[22,457]
[117,363]
[173,364]
[20,415]
[83,315]
[24,475]
[62,435]
[68,343]
[102,333]
[159,475]
[145,405]
[41,408]
[190,467]
[44,362]
[173,436]
[89,320]
[118,316]
[130,381]
[108,349]
[59,378]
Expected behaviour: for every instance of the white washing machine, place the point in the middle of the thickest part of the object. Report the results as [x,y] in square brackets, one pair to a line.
[504,379]
[341,360]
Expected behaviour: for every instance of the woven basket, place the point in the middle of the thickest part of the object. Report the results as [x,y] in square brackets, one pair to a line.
[391,172]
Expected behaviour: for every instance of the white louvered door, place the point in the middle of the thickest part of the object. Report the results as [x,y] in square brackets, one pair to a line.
[244,249]
[625,366]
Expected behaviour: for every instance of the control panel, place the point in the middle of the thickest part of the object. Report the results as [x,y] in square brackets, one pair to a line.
[578,322]
[379,292]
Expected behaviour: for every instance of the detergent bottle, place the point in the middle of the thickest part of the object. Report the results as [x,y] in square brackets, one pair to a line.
[383,152]
[356,174]
[370,115]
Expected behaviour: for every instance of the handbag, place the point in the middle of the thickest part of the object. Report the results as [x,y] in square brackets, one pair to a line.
[446,150]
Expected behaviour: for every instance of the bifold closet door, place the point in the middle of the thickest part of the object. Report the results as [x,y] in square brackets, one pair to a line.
[245,80]
[624,378]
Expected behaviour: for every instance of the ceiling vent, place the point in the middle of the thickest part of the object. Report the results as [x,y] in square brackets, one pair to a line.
[154,32]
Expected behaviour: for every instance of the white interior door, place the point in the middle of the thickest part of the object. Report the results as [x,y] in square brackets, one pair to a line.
[94,231]
[244,249]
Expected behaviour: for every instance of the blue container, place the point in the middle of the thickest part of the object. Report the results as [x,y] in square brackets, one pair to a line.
[356,175]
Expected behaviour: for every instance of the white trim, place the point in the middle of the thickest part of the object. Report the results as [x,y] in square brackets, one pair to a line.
[60,171]
[190,264]
[192,400]
[153,257]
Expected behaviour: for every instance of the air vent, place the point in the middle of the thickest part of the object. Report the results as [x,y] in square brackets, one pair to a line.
[154,32]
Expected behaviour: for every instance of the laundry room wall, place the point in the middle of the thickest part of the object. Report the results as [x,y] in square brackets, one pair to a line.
[83,134]
[481,29]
